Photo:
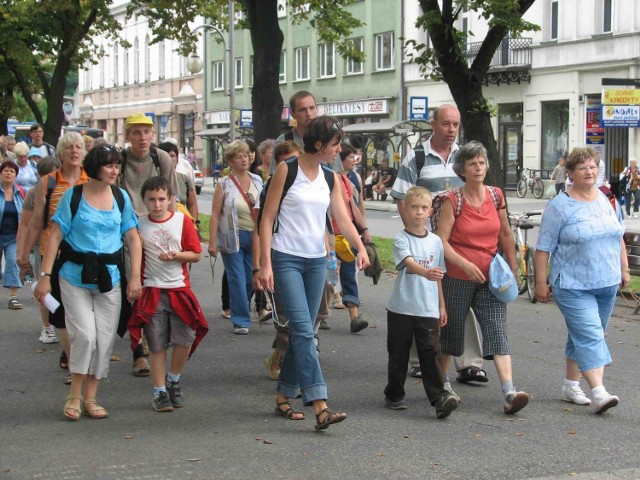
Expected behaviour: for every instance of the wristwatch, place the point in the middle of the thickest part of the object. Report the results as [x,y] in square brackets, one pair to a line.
[45,274]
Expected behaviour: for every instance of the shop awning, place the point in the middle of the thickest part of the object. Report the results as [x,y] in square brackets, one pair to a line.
[214,132]
[387,127]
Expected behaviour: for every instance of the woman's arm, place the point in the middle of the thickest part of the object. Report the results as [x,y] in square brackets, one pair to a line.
[347,228]
[543,292]
[192,201]
[44,283]
[33,229]
[624,265]
[134,284]
[214,220]
[445,226]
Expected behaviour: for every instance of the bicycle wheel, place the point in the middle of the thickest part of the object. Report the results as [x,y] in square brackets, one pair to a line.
[521,189]
[538,188]
[531,275]
[521,279]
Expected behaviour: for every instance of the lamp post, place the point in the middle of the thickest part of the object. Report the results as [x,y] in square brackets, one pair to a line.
[195,65]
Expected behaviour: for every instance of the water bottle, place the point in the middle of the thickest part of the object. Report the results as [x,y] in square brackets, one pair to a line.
[332,269]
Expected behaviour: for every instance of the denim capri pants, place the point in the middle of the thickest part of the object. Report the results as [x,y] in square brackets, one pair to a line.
[586,313]
[491,313]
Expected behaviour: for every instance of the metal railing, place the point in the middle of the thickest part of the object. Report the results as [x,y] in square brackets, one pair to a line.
[512,52]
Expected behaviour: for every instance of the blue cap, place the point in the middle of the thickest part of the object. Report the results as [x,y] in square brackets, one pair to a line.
[35,152]
[501,281]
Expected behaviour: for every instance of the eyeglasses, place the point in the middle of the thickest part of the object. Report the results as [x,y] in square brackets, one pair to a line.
[274,312]
[110,148]
[336,127]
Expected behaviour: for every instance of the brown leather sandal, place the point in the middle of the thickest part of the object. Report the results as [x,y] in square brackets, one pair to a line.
[289,412]
[330,418]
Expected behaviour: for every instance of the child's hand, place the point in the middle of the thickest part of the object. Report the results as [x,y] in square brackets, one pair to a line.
[443,317]
[167,256]
[434,274]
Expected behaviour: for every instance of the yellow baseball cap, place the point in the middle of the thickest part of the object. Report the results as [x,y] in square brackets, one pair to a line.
[137,119]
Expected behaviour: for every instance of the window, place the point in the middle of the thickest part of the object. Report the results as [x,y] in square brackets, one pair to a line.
[161,60]
[302,63]
[607,16]
[327,60]
[251,71]
[282,78]
[147,59]
[554,20]
[125,66]
[384,51]
[218,75]
[555,132]
[238,73]
[282,8]
[116,67]
[354,66]
[136,61]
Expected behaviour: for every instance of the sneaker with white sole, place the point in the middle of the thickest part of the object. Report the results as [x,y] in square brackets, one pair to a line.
[446,404]
[604,403]
[515,402]
[48,335]
[574,395]
[240,330]
[447,387]
[162,402]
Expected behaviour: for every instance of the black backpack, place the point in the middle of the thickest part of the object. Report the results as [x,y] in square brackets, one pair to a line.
[292,172]
[420,158]
[77,195]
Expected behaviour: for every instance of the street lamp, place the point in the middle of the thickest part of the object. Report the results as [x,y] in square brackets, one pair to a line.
[195,64]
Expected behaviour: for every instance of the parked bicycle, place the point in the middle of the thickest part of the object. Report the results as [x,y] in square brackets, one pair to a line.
[525,255]
[529,180]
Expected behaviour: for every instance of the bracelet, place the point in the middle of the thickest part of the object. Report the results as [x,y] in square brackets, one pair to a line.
[255,270]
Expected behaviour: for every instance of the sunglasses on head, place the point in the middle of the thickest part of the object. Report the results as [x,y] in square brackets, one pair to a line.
[335,127]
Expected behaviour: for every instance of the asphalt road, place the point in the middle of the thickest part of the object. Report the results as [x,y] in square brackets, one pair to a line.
[227,429]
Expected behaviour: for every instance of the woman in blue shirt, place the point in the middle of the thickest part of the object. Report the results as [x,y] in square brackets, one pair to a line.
[583,235]
[90,244]
[11,198]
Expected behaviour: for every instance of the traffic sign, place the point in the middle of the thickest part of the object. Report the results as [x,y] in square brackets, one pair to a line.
[418,108]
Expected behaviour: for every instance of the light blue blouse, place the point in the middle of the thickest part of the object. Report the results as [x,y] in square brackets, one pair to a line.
[93,230]
[583,239]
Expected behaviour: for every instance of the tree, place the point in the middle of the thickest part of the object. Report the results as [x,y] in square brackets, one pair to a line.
[447,58]
[328,17]
[43,41]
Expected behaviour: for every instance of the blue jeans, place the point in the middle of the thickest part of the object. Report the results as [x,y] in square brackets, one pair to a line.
[349,283]
[299,284]
[586,313]
[11,274]
[239,267]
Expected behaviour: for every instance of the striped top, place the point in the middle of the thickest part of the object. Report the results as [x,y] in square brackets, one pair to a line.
[61,186]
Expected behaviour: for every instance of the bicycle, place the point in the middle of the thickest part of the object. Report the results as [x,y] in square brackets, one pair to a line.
[525,255]
[530,181]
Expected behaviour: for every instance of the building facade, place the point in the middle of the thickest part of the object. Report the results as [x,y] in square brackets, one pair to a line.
[547,85]
[149,79]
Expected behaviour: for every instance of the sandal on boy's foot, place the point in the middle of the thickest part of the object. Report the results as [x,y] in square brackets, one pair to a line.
[472,374]
[64,361]
[288,413]
[93,410]
[71,412]
[330,418]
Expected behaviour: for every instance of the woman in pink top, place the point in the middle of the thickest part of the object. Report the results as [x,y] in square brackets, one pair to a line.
[470,242]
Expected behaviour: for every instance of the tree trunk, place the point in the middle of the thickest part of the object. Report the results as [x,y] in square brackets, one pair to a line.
[266,38]
[6,104]
[55,99]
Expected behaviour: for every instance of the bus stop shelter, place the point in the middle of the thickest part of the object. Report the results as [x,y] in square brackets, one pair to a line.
[217,139]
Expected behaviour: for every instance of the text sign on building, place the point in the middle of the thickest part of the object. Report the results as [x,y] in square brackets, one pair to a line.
[593,131]
[614,96]
[355,107]
[627,116]
[246,119]
[418,108]
[221,117]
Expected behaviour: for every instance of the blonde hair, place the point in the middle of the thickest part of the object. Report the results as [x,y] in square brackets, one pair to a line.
[21,149]
[234,148]
[418,192]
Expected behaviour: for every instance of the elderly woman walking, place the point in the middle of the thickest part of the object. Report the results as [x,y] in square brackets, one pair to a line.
[583,235]
[473,223]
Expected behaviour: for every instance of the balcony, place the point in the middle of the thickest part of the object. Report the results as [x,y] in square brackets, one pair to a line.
[510,62]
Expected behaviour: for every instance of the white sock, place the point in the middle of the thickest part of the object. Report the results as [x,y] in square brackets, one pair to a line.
[571,383]
[599,392]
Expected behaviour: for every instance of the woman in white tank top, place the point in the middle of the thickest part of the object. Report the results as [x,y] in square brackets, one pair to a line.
[293,263]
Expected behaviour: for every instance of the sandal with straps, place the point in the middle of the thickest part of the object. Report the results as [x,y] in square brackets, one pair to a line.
[289,412]
[330,418]
[71,412]
[93,410]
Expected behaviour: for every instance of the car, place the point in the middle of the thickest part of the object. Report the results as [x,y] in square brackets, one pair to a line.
[199,179]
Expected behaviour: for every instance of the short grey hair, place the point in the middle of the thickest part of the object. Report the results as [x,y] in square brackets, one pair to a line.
[66,140]
[265,145]
[471,150]
[21,149]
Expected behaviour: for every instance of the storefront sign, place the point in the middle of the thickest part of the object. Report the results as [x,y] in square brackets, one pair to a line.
[221,117]
[613,96]
[594,132]
[620,116]
[354,108]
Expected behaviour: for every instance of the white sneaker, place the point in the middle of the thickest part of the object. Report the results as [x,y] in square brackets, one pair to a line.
[574,395]
[240,330]
[48,336]
[602,404]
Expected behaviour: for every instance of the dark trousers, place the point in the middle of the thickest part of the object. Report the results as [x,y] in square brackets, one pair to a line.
[400,331]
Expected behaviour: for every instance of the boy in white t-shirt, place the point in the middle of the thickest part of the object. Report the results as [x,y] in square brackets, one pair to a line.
[167,308]
[416,308]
